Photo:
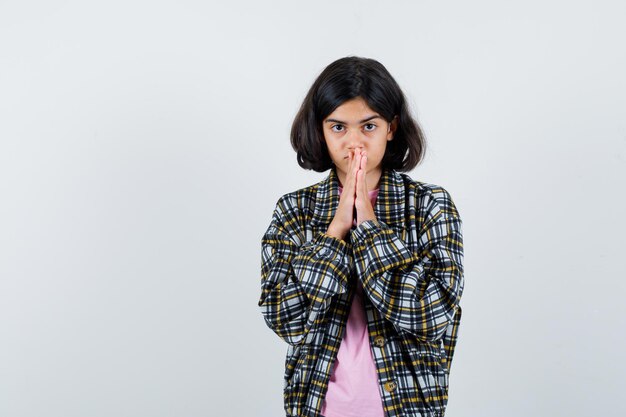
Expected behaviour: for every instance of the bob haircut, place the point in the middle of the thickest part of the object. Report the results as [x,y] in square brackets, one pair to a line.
[345,79]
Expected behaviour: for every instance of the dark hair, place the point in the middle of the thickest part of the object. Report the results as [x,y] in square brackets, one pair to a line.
[345,79]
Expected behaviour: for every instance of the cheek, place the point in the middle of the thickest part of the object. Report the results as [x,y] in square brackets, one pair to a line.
[375,152]
[336,154]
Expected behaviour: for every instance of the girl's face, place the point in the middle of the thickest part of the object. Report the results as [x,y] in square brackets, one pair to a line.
[354,125]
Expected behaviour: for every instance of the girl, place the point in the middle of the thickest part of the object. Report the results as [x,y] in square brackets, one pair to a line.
[362,272]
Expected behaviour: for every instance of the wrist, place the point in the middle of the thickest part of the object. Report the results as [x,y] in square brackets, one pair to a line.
[335,232]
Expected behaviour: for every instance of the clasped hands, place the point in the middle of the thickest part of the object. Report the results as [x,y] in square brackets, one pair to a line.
[354,197]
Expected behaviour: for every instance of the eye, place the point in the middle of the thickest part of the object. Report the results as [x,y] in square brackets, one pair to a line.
[333,128]
[373,126]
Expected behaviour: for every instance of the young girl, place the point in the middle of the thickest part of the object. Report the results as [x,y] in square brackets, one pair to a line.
[362,272]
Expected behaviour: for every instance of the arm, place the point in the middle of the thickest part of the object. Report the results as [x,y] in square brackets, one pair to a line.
[298,280]
[418,291]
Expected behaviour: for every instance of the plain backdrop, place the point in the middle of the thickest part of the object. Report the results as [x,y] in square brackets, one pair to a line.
[144,145]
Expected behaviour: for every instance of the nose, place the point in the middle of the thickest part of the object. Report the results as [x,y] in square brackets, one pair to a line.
[355,139]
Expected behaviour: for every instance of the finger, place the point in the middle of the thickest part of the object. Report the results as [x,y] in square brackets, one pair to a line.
[357,164]
[364,169]
[362,188]
[349,185]
[359,183]
[361,170]
[357,160]
[350,166]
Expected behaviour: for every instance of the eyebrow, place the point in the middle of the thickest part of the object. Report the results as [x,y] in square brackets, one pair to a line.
[367,119]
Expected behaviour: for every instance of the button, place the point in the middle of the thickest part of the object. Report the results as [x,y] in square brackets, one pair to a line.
[379,341]
[390,386]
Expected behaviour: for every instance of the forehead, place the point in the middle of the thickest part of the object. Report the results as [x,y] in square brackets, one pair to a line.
[352,110]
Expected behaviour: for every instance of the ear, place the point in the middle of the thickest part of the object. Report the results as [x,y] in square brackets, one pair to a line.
[393,126]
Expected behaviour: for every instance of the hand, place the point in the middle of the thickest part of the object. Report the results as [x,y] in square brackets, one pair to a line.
[363,204]
[344,216]
[354,197]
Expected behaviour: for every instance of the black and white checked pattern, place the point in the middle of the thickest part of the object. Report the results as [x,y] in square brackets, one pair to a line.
[410,262]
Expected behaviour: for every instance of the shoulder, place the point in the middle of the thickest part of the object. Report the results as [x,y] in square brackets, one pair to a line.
[298,202]
[428,198]
[293,211]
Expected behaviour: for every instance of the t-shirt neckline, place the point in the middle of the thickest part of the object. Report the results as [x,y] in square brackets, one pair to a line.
[372,191]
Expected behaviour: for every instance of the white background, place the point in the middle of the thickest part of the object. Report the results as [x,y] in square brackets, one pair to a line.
[144,145]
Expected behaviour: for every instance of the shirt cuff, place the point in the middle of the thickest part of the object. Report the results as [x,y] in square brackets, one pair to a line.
[328,247]
[366,229]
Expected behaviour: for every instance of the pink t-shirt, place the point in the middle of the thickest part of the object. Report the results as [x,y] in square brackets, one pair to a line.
[353,387]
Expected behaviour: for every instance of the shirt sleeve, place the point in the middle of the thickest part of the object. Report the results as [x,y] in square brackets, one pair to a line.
[299,279]
[418,290]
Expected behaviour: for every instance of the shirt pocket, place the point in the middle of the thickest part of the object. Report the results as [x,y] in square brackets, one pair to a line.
[296,382]
[431,374]
[294,362]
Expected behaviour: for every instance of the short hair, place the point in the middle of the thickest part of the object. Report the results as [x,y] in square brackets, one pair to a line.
[345,79]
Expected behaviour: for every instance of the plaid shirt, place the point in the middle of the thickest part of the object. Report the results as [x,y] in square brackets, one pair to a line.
[410,262]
